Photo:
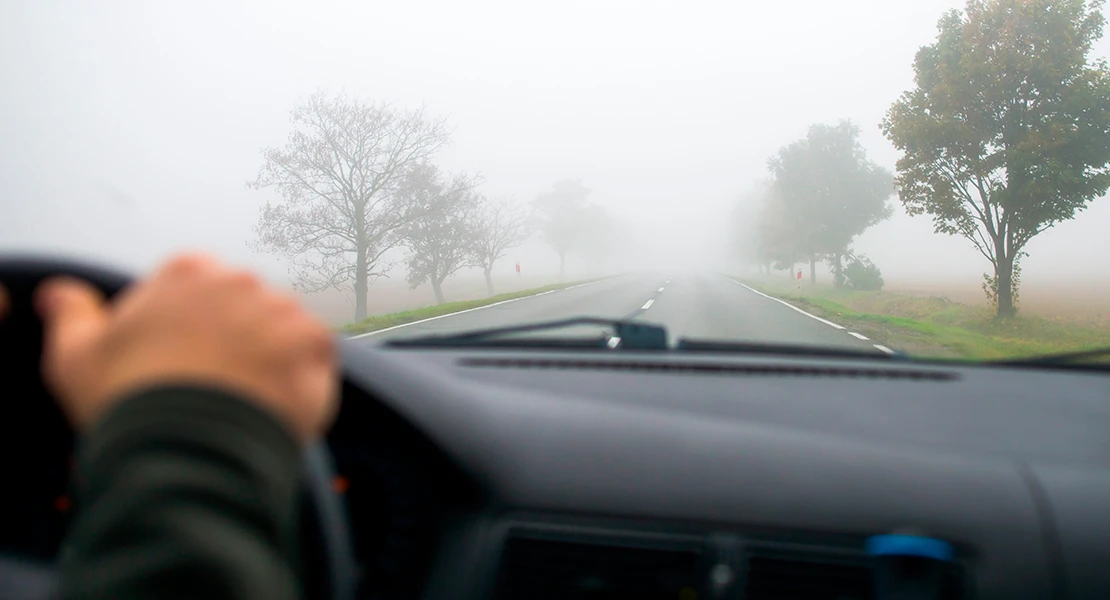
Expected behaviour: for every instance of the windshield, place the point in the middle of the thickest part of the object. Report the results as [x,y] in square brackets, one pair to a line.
[925,177]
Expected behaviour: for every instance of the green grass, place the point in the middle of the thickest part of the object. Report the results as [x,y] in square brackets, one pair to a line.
[377,322]
[933,326]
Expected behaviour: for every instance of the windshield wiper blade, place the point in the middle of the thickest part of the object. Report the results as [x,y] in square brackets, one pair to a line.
[627,335]
[689,345]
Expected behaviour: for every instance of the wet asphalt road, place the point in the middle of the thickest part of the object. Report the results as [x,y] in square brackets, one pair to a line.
[700,306]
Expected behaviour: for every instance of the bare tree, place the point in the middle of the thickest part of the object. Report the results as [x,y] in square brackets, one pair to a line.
[442,240]
[501,225]
[338,175]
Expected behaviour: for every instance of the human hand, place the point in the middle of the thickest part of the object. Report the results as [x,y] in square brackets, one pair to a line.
[194,321]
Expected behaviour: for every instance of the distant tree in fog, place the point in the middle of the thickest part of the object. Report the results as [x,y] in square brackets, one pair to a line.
[760,231]
[773,239]
[600,235]
[562,216]
[444,238]
[829,191]
[1007,130]
[338,175]
[501,224]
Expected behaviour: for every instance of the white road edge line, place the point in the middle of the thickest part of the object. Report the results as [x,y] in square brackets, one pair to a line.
[578,286]
[647,305]
[785,303]
[451,314]
[660,289]
[857,335]
[884,348]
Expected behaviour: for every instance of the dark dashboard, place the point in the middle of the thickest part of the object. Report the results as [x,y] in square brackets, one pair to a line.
[531,474]
[493,474]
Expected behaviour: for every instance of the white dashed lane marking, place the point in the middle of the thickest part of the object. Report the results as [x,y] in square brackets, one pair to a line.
[647,305]
[857,335]
[660,289]
[884,348]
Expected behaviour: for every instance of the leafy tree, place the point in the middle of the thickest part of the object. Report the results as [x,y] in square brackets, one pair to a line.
[1007,130]
[444,238]
[830,191]
[338,175]
[500,226]
[562,217]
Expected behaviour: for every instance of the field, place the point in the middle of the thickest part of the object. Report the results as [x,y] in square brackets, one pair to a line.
[1069,300]
[952,320]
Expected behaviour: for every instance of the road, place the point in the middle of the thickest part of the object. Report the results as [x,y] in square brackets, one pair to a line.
[696,305]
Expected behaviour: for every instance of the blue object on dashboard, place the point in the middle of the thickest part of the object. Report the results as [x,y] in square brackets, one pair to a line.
[910,545]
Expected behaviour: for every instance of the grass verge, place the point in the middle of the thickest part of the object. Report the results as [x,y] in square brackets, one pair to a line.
[936,326]
[377,322]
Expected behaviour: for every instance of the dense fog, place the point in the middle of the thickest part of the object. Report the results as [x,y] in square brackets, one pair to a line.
[129,130]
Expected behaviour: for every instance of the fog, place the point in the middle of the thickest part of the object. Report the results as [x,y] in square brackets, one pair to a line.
[128,129]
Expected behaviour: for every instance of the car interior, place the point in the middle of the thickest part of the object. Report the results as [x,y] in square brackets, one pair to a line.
[532,473]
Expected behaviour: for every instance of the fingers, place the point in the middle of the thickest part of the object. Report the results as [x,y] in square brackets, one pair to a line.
[5,302]
[72,312]
[191,264]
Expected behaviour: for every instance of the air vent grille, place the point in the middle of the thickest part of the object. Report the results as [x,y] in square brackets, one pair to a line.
[784,578]
[816,577]
[774,370]
[549,570]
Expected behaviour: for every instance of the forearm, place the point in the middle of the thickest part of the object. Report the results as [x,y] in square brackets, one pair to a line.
[185,493]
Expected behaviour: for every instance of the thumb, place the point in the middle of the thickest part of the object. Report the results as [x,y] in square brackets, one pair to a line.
[72,312]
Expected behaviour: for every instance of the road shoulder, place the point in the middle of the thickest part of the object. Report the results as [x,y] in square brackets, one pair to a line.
[380,323]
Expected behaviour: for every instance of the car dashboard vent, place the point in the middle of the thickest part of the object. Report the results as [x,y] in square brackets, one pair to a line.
[782,578]
[817,576]
[709,368]
[571,563]
[537,569]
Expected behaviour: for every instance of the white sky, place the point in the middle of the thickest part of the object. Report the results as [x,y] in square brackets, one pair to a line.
[128,129]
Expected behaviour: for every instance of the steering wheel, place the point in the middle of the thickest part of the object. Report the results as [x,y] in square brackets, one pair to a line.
[36,444]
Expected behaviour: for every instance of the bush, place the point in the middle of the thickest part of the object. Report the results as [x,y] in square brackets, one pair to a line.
[862,274]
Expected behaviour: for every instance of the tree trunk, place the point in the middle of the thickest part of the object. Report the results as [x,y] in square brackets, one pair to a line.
[361,285]
[489,281]
[437,287]
[1004,272]
[838,271]
[562,264]
[813,268]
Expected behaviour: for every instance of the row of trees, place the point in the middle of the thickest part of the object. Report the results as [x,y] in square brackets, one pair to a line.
[1005,134]
[357,182]
[823,192]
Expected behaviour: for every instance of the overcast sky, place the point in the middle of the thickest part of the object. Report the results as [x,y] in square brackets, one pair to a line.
[128,129]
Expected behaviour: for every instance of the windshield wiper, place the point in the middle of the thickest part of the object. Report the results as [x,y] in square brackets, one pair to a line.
[689,345]
[627,335]
[1067,359]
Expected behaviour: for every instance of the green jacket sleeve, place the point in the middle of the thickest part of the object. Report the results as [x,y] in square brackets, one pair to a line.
[184,492]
